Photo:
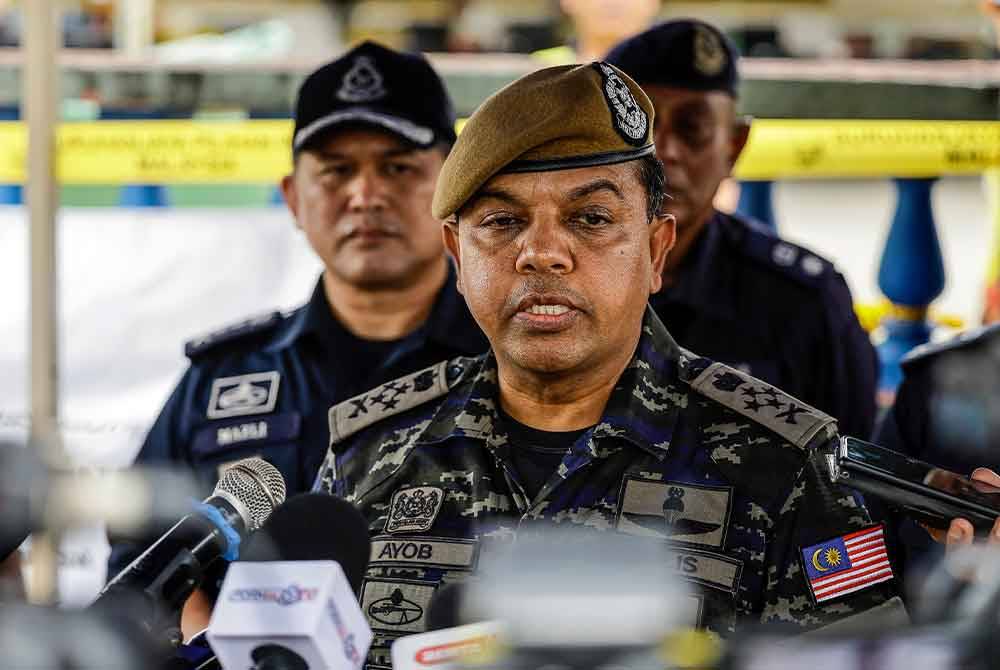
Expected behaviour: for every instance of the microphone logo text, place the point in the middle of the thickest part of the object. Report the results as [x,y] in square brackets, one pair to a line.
[289,595]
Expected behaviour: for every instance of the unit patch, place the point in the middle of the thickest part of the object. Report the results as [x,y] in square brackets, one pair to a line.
[255,393]
[413,510]
[431,552]
[687,513]
[712,570]
[396,606]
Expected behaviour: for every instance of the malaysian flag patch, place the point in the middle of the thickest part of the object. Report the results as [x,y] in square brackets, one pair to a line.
[847,564]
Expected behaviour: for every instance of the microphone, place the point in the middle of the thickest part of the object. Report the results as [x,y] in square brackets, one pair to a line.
[446,647]
[290,534]
[291,601]
[160,580]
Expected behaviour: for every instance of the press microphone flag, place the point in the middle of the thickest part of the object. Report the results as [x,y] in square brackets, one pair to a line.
[293,614]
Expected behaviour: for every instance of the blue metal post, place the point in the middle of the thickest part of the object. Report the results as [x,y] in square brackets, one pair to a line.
[11,194]
[911,275]
[138,195]
[756,202]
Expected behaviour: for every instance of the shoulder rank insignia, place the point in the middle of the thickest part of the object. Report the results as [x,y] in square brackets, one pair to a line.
[200,345]
[963,339]
[847,564]
[394,398]
[790,259]
[790,418]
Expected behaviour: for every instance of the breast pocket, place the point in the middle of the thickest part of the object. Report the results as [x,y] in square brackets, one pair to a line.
[275,438]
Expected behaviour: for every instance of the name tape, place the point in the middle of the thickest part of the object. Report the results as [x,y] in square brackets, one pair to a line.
[258,151]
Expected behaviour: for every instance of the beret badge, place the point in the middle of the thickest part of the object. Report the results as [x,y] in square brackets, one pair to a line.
[629,119]
[709,54]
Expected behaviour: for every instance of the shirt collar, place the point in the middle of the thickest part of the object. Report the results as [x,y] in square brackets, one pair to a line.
[449,324]
[705,278]
[642,409]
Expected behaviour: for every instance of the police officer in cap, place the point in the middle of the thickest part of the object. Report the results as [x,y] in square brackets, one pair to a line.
[733,290]
[372,130]
[586,412]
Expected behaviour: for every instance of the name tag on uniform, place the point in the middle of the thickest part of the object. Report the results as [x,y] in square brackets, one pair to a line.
[221,436]
[428,552]
[713,570]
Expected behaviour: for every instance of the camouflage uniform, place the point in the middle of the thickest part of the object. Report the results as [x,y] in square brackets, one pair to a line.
[726,468]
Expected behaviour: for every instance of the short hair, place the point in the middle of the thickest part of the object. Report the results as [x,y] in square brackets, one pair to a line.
[649,172]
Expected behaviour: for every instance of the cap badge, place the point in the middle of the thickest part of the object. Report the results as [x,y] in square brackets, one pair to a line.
[709,56]
[362,83]
[628,117]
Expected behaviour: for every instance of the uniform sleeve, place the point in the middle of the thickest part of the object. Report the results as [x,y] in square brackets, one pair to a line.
[163,444]
[851,365]
[816,511]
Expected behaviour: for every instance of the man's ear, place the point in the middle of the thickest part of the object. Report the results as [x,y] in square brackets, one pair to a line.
[449,233]
[291,197]
[662,235]
[741,133]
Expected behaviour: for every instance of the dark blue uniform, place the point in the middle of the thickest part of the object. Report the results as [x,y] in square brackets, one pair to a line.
[946,413]
[263,387]
[775,310]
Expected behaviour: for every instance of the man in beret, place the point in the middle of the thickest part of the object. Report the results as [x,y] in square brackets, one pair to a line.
[733,289]
[372,130]
[585,412]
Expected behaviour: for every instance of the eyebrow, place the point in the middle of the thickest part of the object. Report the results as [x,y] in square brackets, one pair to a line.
[498,194]
[594,187]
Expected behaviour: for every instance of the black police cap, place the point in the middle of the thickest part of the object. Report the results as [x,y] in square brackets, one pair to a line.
[684,53]
[372,85]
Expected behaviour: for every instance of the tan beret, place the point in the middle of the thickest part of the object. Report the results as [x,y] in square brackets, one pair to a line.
[558,118]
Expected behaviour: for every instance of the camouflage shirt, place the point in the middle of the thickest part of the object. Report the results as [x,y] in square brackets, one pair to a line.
[727,469]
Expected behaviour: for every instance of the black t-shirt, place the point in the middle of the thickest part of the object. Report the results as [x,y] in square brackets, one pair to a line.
[535,454]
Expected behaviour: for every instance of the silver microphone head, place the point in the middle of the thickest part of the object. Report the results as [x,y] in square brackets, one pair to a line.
[254,487]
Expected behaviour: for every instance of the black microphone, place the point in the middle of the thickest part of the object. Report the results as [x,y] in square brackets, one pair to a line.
[154,587]
[315,527]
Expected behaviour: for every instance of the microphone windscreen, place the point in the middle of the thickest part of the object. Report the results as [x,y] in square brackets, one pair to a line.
[445,607]
[314,527]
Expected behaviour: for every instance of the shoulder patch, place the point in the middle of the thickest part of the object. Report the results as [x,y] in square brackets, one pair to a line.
[787,258]
[395,397]
[254,325]
[966,338]
[790,418]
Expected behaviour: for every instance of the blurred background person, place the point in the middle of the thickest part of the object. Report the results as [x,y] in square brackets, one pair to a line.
[733,290]
[598,25]
[372,130]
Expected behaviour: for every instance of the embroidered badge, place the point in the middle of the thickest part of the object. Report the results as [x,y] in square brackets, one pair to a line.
[709,56]
[255,393]
[413,510]
[784,254]
[396,606]
[627,116]
[812,266]
[678,512]
[362,83]
[847,564]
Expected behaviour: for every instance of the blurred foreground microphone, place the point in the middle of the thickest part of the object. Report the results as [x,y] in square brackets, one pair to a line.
[155,586]
[279,614]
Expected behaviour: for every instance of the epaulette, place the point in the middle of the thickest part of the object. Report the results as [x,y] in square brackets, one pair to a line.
[394,397]
[762,403]
[785,257]
[252,326]
[966,338]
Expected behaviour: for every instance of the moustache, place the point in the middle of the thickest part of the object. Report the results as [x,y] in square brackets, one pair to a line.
[368,224]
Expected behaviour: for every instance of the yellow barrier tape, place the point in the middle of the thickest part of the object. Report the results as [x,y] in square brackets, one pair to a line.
[180,152]
[215,152]
[819,148]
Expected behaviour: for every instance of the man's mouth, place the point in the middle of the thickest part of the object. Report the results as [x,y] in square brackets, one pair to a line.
[546,313]
[551,310]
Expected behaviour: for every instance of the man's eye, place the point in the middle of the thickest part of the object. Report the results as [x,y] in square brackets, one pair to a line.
[336,170]
[499,221]
[397,169]
[591,219]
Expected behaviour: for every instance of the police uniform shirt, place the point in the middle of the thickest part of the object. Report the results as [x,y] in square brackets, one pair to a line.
[747,298]
[725,468]
[946,412]
[263,388]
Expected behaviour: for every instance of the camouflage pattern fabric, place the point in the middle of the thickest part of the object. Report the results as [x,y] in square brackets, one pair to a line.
[727,469]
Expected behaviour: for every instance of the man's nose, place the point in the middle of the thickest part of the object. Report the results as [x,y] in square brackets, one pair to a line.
[545,249]
[365,192]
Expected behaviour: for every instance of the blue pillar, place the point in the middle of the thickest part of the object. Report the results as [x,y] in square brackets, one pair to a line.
[911,275]
[138,195]
[11,194]
[756,202]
